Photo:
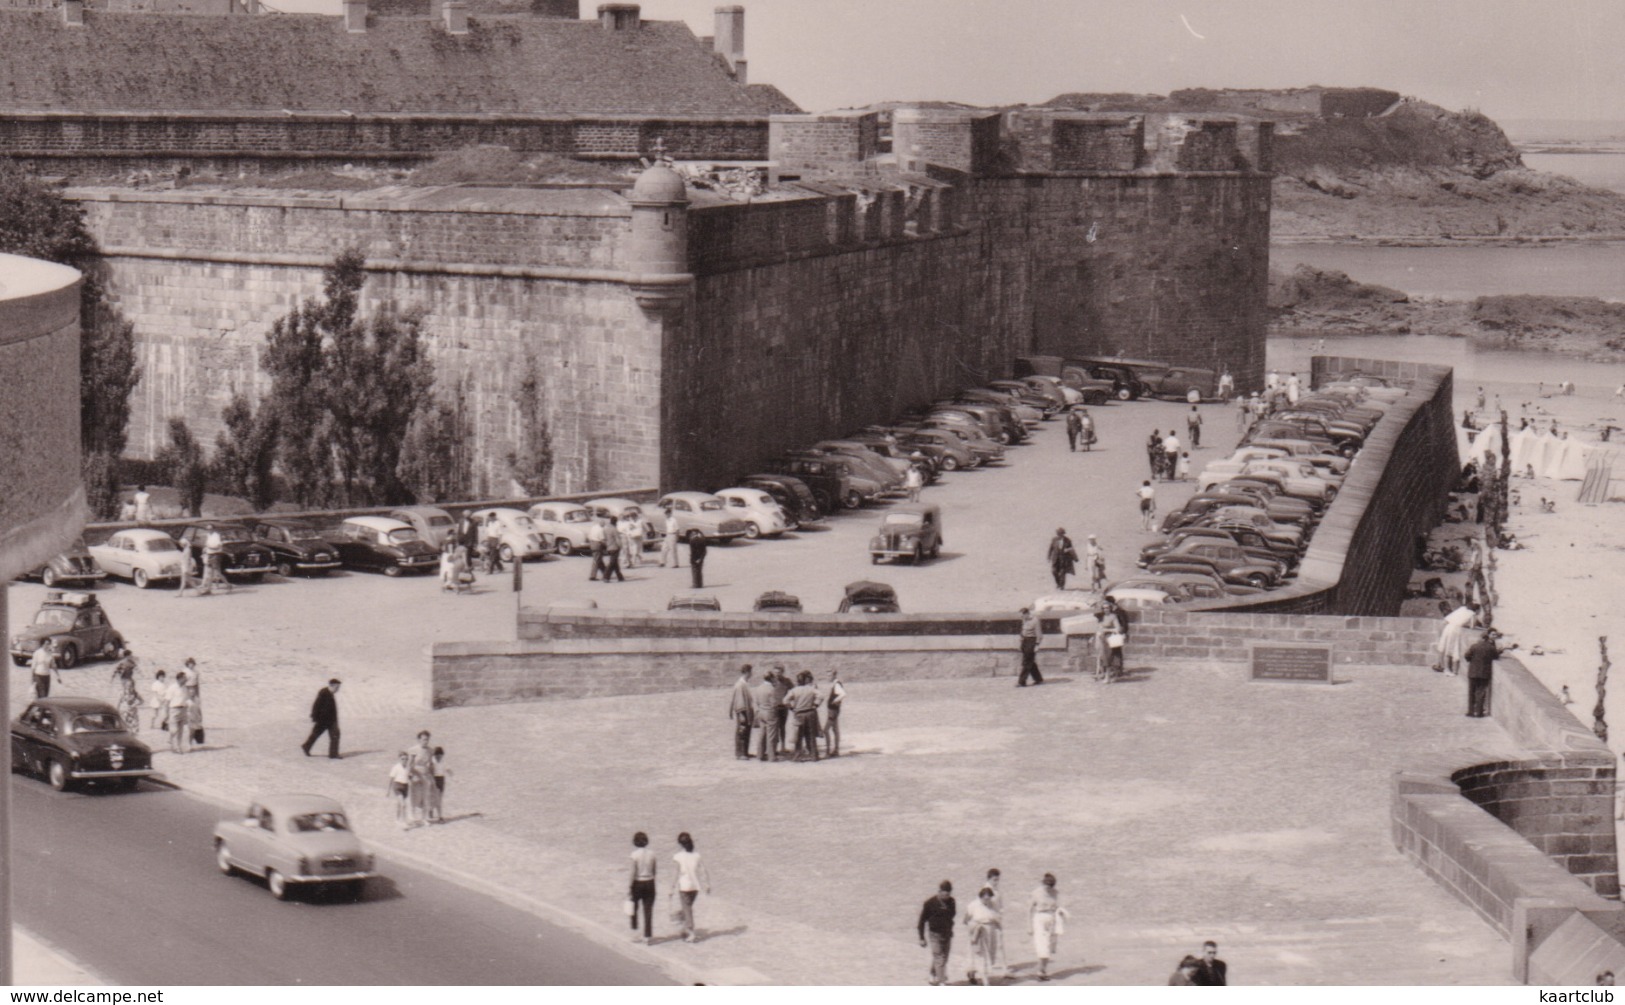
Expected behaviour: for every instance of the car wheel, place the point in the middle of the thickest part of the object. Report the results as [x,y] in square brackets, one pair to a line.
[852,500]
[57,774]
[1004,438]
[140,578]
[752,531]
[111,647]
[392,570]
[1125,394]
[1259,580]
[563,548]
[285,570]
[874,559]
[68,658]
[48,577]
[506,554]
[276,884]
[222,859]
[936,550]
[949,464]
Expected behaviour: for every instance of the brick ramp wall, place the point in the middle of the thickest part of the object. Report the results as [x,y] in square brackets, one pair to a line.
[1543,869]
[1156,636]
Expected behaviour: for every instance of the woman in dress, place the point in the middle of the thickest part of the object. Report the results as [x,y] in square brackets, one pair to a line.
[420,765]
[691,877]
[1044,912]
[985,929]
[128,700]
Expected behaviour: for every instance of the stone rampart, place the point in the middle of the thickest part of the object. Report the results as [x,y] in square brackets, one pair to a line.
[1160,636]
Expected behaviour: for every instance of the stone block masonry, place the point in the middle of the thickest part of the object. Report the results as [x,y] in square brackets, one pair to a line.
[1160,636]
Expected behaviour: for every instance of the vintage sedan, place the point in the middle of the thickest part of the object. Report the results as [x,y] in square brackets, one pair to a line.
[615,507]
[694,602]
[141,554]
[245,558]
[868,597]
[763,515]
[383,545]
[954,454]
[566,523]
[912,531]
[701,514]
[1231,561]
[520,537]
[778,602]
[296,547]
[75,623]
[71,739]
[432,523]
[293,840]
[71,567]
[795,496]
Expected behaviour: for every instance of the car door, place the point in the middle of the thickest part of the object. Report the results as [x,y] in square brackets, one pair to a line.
[115,555]
[25,740]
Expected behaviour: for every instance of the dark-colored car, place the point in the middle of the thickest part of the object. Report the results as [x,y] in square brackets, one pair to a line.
[694,602]
[792,493]
[830,488]
[912,531]
[1251,541]
[866,597]
[297,547]
[1232,562]
[383,545]
[72,567]
[889,446]
[1124,381]
[1179,382]
[1095,391]
[1198,506]
[777,602]
[76,625]
[245,558]
[70,739]
[856,487]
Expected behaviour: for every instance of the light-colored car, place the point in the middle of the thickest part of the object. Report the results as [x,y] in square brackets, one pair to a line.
[566,523]
[763,515]
[293,840]
[142,555]
[701,514]
[520,537]
[432,523]
[1294,477]
[1139,598]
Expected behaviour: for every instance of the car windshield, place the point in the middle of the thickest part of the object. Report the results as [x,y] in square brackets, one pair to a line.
[54,617]
[711,504]
[233,533]
[309,822]
[402,535]
[95,722]
[902,520]
[303,534]
[576,516]
[439,520]
[523,523]
[160,544]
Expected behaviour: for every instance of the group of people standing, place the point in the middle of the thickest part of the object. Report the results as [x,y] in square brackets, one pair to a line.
[984,920]
[776,711]
[177,704]
[417,784]
[1168,461]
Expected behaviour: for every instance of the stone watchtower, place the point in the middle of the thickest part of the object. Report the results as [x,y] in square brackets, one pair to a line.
[658,253]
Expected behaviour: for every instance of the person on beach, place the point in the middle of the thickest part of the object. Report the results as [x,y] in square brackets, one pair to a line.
[642,891]
[691,878]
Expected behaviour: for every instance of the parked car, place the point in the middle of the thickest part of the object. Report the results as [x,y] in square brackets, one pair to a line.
[1254,543]
[520,537]
[142,555]
[565,523]
[1000,420]
[775,602]
[1133,598]
[380,544]
[296,547]
[432,523]
[1064,396]
[1330,461]
[1180,381]
[292,841]
[794,496]
[71,739]
[242,557]
[831,473]
[866,597]
[73,567]
[1027,415]
[694,602]
[912,531]
[1124,383]
[614,507]
[892,448]
[701,514]
[1048,400]
[1231,561]
[883,470]
[952,453]
[1201,583]
[1090,389]
[761,512]
[1280,535]
[969,433]
[75,623]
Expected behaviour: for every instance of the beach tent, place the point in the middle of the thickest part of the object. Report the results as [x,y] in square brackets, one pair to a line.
[1571,459]
[1487,444]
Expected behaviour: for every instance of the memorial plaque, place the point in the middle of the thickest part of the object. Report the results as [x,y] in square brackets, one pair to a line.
[1303,664]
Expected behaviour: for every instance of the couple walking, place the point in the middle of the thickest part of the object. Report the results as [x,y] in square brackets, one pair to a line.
[689,878]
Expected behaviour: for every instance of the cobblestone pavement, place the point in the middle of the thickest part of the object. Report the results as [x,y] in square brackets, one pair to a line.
[1183,806]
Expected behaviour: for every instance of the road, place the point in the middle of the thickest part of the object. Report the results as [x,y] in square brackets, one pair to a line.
[129,882]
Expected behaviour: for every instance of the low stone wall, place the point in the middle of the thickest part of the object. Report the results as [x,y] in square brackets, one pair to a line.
[1528,844]
[1156,636]
[537,624]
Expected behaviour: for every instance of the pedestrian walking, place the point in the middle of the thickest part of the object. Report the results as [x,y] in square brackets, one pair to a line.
[1293,389]
[399,788]
[1095,559]
[832,715]
[1074,426]
[1032,631]
[765,711]
[597,539]
[1001,964]
[696,558]
[194,702]
[493,545]
[160,700]
[631,529]
[1063,558]
[641,894]
[1045,917]
[128,699]
[1193,428]
[1481,657]
[913,481]
[324,718]
[437,794]
[1182,472]
[1148,505]
[668,545]
[739,710]
[686,886]
[803,702]
[188,557]
[1086,427]
[1211,972]
[180,720]
[983,929]
[1227,385]
[1154,452]
[43,665]
[936,929]
[612,552]
[1244,413]
[1170,447]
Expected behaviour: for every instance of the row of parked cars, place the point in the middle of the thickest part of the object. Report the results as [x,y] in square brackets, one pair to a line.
[1254,512]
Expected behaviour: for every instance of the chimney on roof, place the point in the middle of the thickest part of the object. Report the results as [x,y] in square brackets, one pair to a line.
[456,17]
[73,12]
[355,15]
[730,39]
[619,16]
[565,9]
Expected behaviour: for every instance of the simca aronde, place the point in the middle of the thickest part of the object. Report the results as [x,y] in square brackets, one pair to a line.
[293,840]
[141,554]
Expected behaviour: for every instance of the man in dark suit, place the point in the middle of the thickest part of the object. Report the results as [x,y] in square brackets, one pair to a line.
[1210,970]
[696,559]
[1481,657]
[324,713]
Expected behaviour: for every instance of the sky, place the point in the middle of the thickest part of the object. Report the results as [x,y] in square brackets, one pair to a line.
[1511,59]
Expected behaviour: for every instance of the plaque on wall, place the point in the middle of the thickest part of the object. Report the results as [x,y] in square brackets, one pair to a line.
[1297,664]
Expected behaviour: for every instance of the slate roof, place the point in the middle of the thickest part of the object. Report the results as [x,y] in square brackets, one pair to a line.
[307,62]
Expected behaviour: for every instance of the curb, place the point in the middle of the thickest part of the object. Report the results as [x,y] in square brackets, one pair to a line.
[26,943]
[681,972]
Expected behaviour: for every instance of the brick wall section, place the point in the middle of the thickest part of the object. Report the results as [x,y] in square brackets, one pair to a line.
[1159,636]
[801,141]
[540,624]
[487,673]
[963,141]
